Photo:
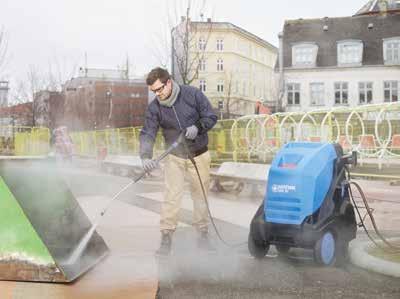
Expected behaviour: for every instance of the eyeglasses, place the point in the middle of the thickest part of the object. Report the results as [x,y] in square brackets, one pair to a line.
[159,90]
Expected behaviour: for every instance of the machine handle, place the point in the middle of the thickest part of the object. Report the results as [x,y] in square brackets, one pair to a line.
[350,158]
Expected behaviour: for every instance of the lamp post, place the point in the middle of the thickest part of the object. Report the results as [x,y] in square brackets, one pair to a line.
[109,100]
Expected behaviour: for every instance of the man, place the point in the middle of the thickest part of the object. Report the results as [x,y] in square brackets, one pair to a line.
[178,109]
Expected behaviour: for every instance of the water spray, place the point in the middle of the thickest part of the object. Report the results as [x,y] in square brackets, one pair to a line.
[84,241]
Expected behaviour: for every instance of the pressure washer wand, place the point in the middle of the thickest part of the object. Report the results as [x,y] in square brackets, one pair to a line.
[86,238]
[158,160]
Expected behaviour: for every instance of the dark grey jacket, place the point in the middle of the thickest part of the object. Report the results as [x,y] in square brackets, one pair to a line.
[192,108]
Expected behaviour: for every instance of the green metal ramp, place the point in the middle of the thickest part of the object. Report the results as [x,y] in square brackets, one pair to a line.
[41,223]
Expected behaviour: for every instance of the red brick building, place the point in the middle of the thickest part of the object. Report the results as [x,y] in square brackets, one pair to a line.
[17,115]
[49,109]
[100,99]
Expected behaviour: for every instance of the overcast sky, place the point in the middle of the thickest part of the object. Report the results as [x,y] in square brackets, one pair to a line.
[41,32]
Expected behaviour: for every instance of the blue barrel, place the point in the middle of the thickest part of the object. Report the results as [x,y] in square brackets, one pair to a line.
[299,179]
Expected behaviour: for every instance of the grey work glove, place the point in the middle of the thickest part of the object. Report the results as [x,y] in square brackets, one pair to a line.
[149,165]
[191,132]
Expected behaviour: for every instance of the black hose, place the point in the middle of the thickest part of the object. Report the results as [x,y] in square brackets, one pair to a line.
[392,248]
[206,200]
[209,211]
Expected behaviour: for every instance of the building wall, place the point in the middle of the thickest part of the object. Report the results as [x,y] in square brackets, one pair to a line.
[17,115]
[247,73]
[4,93]
[88,102]
[376,75]
[49,109]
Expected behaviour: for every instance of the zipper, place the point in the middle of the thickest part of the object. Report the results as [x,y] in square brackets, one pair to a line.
[177,118]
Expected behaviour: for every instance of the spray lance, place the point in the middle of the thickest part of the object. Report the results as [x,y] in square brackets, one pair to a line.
[77,252]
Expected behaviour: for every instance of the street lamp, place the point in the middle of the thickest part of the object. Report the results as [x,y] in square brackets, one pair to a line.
[109,99]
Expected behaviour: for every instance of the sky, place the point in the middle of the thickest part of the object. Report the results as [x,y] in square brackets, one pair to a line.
[56,34]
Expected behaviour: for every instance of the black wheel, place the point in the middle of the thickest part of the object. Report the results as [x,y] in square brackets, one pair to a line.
[256,248]
[282,249]
[325,250]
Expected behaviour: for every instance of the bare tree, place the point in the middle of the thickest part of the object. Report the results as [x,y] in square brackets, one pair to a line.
[177,44]
[189,40]
[228,96]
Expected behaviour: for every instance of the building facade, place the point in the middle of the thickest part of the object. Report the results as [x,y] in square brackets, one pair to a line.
[232,66]
[348,61]
[100,99]
[48,109]
[16,115]
[4,93]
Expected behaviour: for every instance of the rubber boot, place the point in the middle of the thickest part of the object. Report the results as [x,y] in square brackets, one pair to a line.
[165,244]
[203,242]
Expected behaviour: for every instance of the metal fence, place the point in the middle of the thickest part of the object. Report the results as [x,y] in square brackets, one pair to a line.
[24,141]
[371,130]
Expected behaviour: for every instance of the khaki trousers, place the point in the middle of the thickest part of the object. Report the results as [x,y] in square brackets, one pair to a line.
[176,170]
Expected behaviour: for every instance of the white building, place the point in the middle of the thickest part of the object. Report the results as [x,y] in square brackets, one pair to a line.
[346,61]
[4,93]
[232,66]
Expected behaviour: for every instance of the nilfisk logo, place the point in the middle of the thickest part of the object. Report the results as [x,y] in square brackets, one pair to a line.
[283,188]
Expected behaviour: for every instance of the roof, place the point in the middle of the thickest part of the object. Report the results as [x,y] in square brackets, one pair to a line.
[345,28]
[228,25]
[379,6]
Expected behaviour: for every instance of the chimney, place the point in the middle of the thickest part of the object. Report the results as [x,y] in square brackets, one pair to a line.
[183,19]
[209,20]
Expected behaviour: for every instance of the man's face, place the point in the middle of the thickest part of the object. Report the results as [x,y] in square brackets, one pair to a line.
[162,90]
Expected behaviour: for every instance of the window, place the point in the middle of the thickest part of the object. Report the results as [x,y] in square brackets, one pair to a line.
[220,86]
[244,88]
[341,93]
[391,50]
[365,92]
[317,92]
[304,54]
[202,85]
[202,44]
[350,52]
[202,65]
[391,91]
[220,44]
[293,94]
[220,65]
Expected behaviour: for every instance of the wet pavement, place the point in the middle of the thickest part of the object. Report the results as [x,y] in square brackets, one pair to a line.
[130,229]
[232,273]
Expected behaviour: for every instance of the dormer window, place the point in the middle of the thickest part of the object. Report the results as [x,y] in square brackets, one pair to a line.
[304,54]
[391,50]
[350,52]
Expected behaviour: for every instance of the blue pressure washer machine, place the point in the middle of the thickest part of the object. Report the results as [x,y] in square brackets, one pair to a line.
[307,203]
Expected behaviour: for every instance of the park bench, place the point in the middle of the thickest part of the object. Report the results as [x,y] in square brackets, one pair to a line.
[232,176]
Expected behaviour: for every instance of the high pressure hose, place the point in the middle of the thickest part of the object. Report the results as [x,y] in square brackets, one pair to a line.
[190,156]
[392,248]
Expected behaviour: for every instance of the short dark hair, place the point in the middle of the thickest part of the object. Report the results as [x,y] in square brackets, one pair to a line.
[157,73]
